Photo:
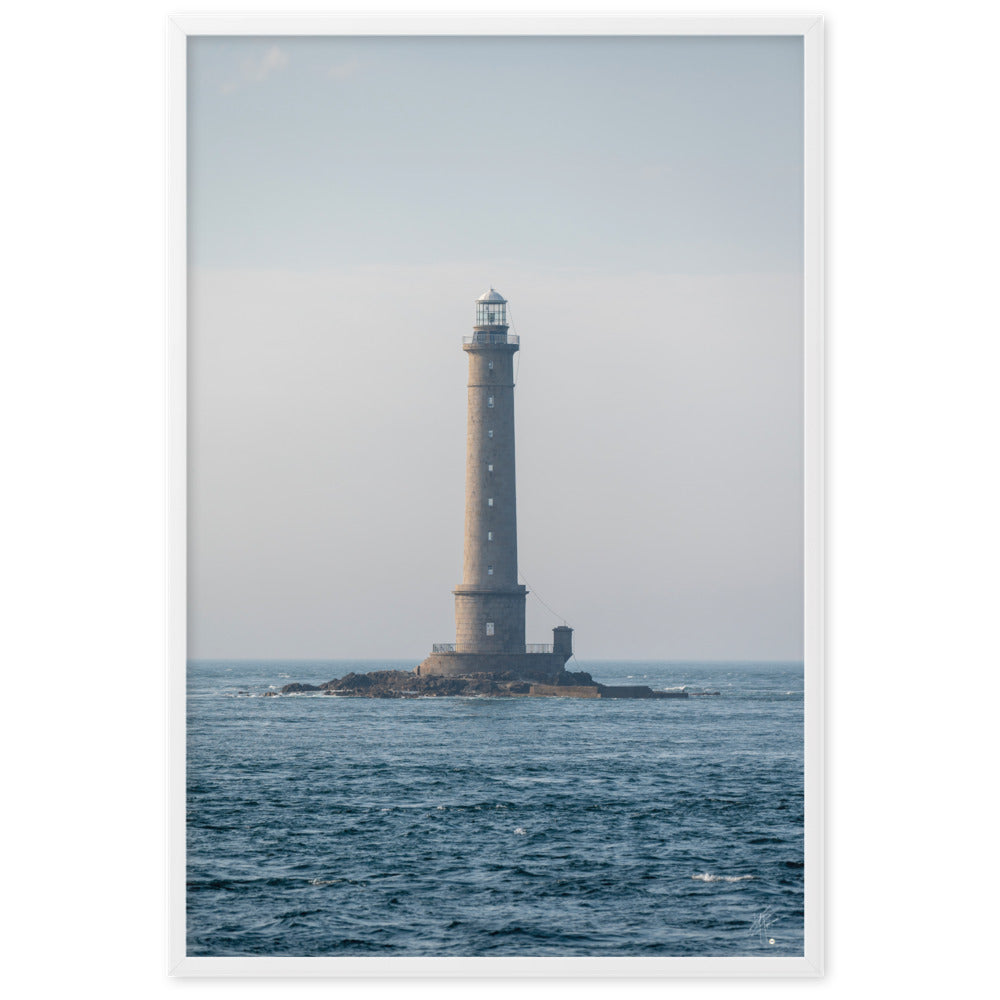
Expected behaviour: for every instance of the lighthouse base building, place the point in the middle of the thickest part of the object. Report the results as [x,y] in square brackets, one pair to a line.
[489,602]
[536,663]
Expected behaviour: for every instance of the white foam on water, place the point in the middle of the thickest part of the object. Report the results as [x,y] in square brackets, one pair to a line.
[520,831]
[708,877]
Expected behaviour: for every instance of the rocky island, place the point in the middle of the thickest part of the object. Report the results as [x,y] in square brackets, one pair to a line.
[410,684]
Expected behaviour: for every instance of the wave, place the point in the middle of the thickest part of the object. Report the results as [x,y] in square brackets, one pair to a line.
[707,877]
[339,881]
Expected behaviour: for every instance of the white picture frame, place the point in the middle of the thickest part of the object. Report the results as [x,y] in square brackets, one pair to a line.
[179,30]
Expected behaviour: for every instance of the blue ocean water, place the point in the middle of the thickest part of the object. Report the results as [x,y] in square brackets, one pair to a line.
[322,825]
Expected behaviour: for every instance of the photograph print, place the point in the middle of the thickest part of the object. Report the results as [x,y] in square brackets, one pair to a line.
[496,572]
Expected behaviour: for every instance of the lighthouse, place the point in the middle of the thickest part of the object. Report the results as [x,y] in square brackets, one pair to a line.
[489,602]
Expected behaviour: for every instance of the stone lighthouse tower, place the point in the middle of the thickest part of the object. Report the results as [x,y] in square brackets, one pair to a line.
[489,602]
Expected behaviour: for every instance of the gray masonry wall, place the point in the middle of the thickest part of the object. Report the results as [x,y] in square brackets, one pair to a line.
[528,666]
[505,610]
[562,640]
[489,591]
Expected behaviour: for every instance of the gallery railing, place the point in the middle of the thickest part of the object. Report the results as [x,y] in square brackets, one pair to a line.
[492,338]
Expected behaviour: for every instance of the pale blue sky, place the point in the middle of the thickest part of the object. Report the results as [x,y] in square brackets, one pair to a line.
[638,201]
[675,153]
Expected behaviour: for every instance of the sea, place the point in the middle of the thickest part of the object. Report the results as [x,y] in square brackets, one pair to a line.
[335,826]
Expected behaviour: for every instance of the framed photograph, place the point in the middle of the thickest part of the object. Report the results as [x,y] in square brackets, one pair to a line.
[496,487]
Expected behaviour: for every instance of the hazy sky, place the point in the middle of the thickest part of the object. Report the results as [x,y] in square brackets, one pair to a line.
[638,201]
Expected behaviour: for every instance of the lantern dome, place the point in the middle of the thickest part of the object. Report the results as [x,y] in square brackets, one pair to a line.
[491,309]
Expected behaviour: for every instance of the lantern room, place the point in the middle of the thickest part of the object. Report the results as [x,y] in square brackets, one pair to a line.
[491,310]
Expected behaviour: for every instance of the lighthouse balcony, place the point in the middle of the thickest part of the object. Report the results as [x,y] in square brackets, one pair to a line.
[487,337]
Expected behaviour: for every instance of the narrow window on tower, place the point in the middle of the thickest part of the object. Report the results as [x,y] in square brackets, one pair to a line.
[489,468]
[489,536]
[489,570]
[490,433]
[491,366]
[489,502]
[489,401]
[489,628]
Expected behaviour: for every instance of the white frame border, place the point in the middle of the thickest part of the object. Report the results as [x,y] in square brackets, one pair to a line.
[179,28]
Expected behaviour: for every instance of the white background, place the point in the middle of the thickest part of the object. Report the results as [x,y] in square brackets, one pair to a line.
[911,463]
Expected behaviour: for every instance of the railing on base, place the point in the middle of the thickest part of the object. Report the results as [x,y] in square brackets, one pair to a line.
[531,647]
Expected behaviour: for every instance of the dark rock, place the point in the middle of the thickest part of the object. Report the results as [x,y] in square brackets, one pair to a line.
[377,684]
[579,678]
[409,684]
